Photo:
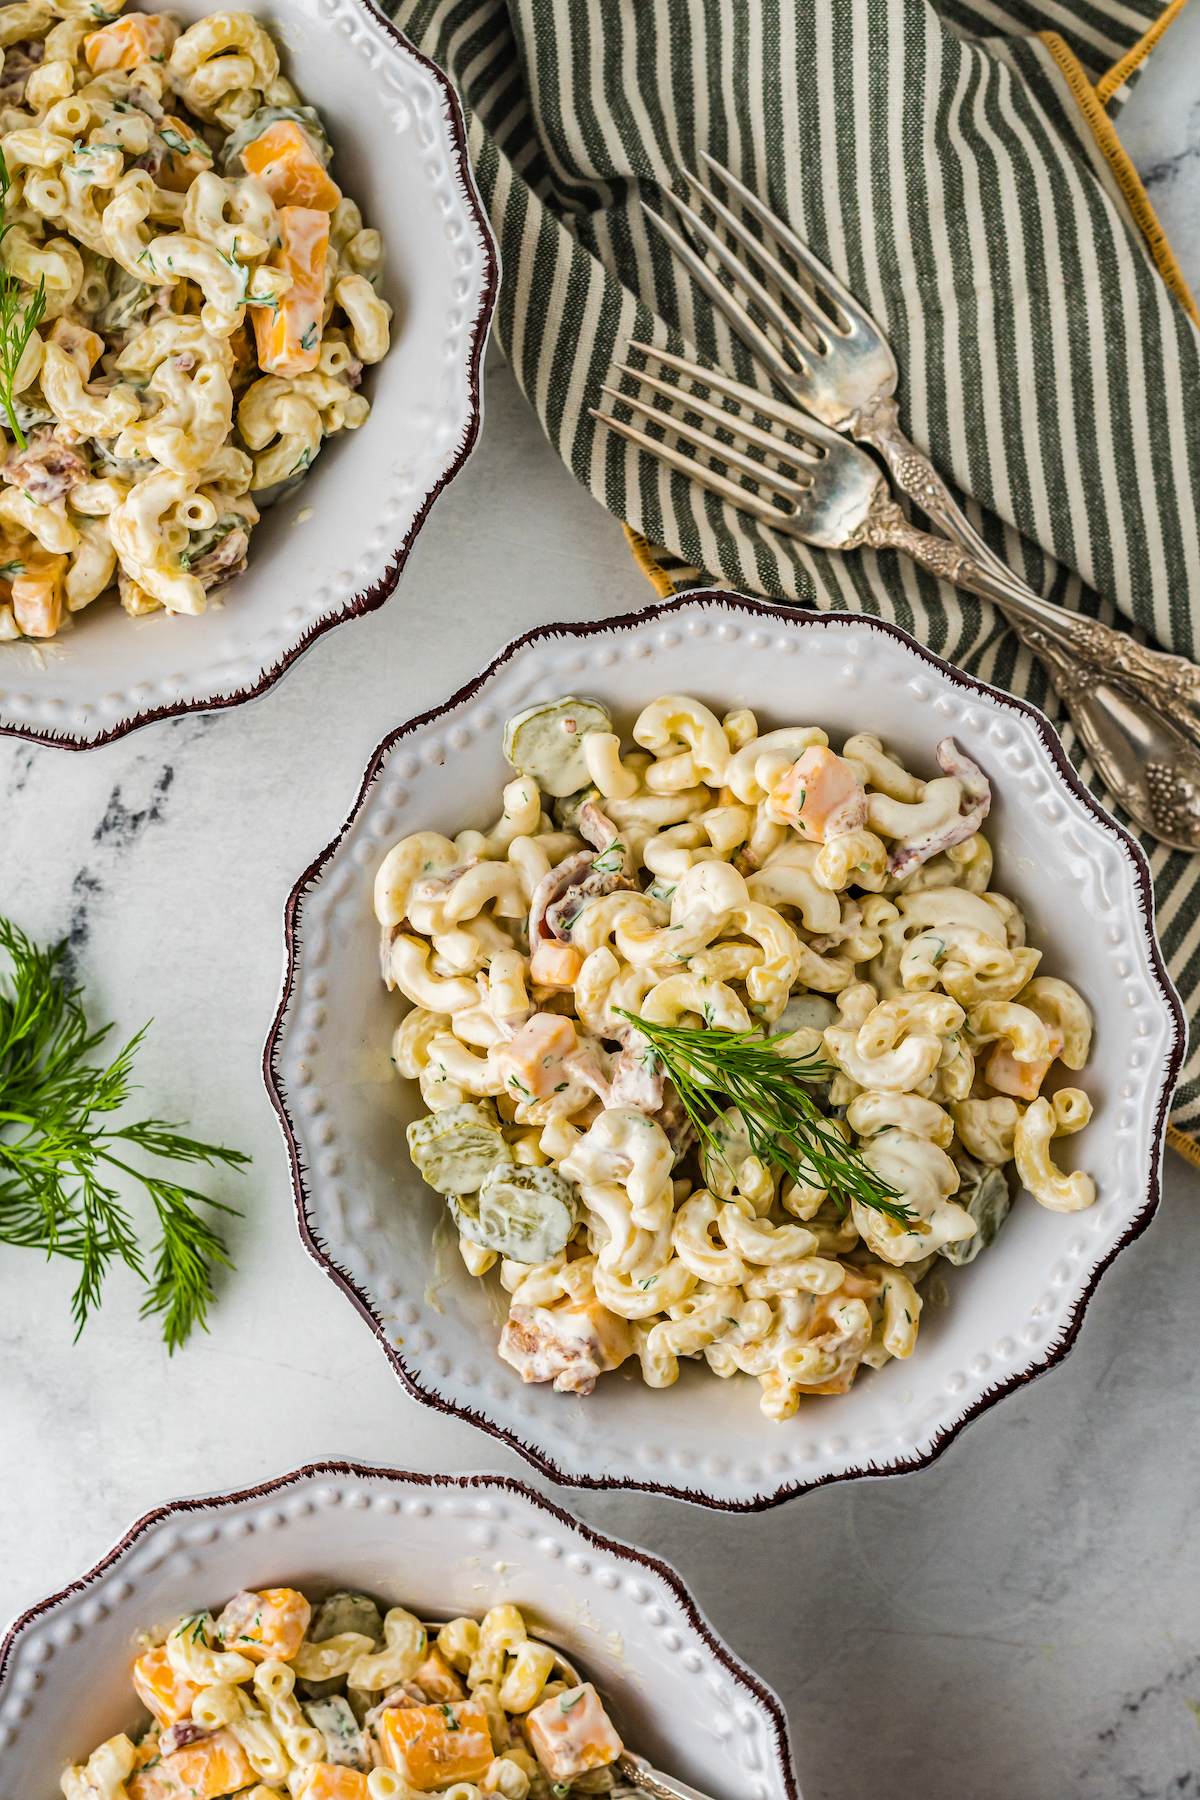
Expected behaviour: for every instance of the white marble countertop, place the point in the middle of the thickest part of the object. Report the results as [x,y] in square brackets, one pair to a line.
[1022,1619]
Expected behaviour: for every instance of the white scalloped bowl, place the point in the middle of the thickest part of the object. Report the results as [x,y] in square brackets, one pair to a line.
[437,1544]
[367,1217]
[397,131]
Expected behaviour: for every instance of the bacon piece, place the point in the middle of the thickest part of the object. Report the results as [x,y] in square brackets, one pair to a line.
[596,826]
[850,921]
[571,1345]
[561,917]
[953,761]
[225,560]
[638,1074]
[672,1116]
[46,469]
[179,1735]
[976,788]
[552,887]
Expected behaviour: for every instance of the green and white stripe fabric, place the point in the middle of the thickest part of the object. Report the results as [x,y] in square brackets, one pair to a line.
[934,157]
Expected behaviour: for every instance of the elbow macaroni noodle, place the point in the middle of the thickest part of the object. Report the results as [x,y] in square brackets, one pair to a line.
[277,1697]
[720,878]
[211,299]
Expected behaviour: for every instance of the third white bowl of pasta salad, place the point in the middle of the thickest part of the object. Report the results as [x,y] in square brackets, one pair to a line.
[354,1633]
[245,283]
[723,1050]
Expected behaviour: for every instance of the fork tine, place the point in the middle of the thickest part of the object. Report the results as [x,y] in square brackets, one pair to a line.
[703,477]
[800,298]
[691,434]
[797,248]
[794,417]
[729,421]
[745,278]
[756,341]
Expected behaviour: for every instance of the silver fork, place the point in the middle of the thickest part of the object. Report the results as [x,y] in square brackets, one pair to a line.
[831,493]
[1123,697]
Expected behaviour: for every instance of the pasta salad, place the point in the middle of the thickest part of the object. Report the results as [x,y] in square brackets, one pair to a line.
[187,300]
[277,1698]
[727,1043]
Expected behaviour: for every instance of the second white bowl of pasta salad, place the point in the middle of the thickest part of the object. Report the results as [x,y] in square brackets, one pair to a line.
[778,1008]
[354,1633]
[245,282]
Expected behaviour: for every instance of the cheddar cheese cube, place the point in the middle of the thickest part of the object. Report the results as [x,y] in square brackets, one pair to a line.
[266,1626]
[200,1771]
[330,1781]
[570,1344]
[182,155]
[288,167]
[289,335]
[433,1746]
[37,593]
[168,1694]
[820,795]
[555,965]
[137,38]
[531,1063]
[571,1733]
[437,1680]
[1021,1080]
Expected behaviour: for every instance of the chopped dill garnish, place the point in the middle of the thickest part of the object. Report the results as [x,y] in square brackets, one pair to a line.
[783,1122]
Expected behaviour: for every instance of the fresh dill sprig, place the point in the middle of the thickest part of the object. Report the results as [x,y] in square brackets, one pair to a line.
[56,1152]
[18,321]
[783,1122]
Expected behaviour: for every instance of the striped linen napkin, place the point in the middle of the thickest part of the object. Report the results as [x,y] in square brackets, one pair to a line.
[958,172]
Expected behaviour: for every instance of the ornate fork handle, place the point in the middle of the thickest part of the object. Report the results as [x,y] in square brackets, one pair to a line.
[1148,763]
[637,1771]
[1170,683]
[886,528]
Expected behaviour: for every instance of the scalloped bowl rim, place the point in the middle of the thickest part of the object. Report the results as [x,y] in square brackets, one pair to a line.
[22,1664]
[797,619]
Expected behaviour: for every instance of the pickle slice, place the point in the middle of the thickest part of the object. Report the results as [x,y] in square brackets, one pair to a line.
[545,742]
[454,1149]
[811,1011]
[985,1195]
[344,1740]
[524,1214]
[344,1610]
